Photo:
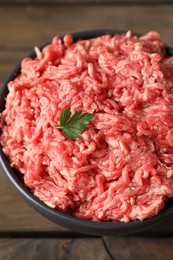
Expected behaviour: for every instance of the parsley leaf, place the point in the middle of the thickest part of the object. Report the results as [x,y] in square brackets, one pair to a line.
[73,125]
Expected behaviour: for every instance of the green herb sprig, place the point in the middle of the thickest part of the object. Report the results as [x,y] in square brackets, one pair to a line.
[73,125]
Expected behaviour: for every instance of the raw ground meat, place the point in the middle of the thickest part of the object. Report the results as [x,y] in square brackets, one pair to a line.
[122,166]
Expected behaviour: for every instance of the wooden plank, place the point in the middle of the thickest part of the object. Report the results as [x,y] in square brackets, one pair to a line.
[16,214]
[8,60]
[28,29]
[27,23]
[87,1]
[35,25]
[5,69]
[84,249]
[139,248]
[30,249]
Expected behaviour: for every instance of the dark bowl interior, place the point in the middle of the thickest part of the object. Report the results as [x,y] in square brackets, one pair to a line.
[84,226]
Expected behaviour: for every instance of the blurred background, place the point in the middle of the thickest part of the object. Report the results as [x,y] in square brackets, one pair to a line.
[24,234]
[26,23]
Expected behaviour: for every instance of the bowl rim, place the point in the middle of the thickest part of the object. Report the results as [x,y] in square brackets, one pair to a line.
[55,215]
[80,225]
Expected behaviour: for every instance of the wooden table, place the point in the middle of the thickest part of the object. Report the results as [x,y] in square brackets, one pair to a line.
[24,234]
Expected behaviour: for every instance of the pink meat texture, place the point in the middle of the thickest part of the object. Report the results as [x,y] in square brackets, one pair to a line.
[122,166]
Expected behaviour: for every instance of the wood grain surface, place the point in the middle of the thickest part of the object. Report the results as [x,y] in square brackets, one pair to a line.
[24,26]
[25,234]
[86,249]
[84,2]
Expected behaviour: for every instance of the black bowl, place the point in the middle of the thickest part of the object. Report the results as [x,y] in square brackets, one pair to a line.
[115,228]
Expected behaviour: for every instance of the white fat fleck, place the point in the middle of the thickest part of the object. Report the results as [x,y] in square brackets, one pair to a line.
[36,182]
[121,145]
[166,155]
[50,204]
[132,201]
[100,215]
[55,198]
[125,219]
[128,34]
[38,53]
[169,173]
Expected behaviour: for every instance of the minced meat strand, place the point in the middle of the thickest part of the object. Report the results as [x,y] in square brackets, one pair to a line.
[122,166]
